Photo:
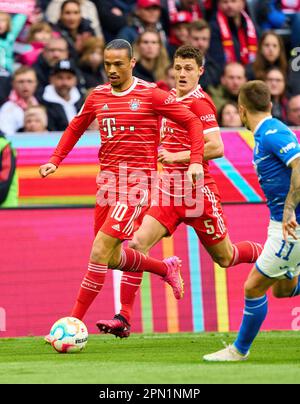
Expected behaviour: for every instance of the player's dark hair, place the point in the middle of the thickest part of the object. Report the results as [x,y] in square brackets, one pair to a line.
[189,52]
[255,96]
[120,44]
[66,2]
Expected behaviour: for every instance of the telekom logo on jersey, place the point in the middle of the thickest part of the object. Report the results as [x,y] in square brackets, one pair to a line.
[109,126]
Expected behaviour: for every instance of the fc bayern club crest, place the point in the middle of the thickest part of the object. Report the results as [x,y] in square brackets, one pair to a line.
[134,105]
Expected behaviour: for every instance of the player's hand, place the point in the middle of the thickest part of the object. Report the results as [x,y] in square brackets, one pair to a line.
[195,172]
[289,224]
[166,157]
[47,169]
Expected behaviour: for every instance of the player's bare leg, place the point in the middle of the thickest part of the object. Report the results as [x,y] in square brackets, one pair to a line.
[227,254]
[286,288]
[135,259]
[257,284]
[149,234]
[222,252]
[105,247]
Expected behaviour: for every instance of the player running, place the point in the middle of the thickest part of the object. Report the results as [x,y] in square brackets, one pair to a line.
[277,161]
[127,110]
[162,220]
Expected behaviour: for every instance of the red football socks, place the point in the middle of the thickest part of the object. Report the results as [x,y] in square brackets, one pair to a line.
[135,261]
[245,252]
[90,287]
[130,284]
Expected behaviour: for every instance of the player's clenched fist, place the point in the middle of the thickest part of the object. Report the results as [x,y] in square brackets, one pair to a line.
[195,172]
[47,169]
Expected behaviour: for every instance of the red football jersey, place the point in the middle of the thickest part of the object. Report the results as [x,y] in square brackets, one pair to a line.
[129,126]
[175,139]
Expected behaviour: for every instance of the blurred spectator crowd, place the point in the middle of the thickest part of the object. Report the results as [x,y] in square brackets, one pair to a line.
[51,53]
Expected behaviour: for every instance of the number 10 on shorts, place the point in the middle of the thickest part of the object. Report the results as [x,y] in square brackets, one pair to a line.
[119,212]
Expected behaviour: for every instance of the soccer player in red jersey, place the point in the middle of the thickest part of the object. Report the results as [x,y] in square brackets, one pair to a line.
[162,220]
[127,110]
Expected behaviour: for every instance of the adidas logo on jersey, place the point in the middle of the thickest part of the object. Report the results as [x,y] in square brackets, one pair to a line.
[116,227]
[105,107]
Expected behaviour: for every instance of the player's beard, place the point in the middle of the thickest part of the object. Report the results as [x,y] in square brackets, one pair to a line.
[116,86]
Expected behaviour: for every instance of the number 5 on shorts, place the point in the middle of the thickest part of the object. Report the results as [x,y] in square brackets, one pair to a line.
[210,228]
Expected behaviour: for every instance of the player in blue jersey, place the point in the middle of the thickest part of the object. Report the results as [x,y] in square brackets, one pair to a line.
[277,162]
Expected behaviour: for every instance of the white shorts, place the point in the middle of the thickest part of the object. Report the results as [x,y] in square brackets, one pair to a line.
[279,259]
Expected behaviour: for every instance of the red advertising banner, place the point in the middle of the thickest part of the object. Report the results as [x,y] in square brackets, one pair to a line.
[44,255]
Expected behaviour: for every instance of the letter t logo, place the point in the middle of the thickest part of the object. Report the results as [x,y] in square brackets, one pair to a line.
[107,123]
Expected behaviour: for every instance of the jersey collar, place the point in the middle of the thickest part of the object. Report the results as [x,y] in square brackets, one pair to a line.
[189,94]
[261,123]
[126,92]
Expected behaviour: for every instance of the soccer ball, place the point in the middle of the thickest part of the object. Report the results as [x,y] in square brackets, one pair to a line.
[68,334]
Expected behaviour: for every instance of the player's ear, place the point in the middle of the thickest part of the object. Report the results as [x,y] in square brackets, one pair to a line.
[271,106]
[241,110]
[201,70]
[133,62]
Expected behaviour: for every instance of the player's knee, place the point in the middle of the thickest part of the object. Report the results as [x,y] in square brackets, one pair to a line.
[250,291]
[96,255]
[223,260]
[100,254]
[139,244]
[253,290]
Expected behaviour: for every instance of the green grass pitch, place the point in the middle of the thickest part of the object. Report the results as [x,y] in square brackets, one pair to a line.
[158,358]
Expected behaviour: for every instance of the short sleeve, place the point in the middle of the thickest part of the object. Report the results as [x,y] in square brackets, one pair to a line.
[207,115]
[284,144]
[165,104]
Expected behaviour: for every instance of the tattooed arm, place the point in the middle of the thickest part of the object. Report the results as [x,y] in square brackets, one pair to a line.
[289,222]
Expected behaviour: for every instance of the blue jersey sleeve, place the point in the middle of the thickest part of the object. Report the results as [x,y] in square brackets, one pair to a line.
[284,144]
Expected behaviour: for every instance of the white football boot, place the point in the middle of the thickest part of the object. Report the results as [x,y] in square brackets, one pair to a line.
[229,354]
